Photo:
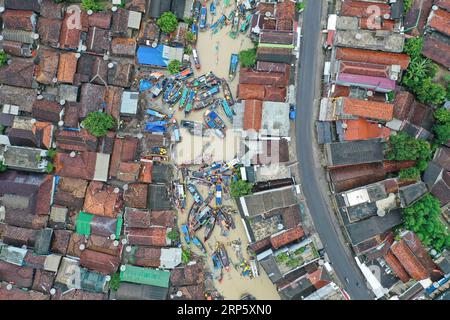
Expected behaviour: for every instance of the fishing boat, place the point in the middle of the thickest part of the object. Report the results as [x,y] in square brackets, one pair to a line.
[176,132]
[230,17]
[173,92]
[203,215]
[157,114]
[196,241]
[203,14]
[234,63]
[219,195]
[158,150]
[195,128]
[184,74]
[194,30]
[192,211]
[185,230]
[235,26]
[196,59]
[196,7]
[190,101]
[227,93]
[195,194]
[184,96]
[216,261]
[214,121]
[158,88]
[223,256]
[208,93]
[209,227]
[212,8]
[246,24]
[219,24]
[227,109]
[204,104]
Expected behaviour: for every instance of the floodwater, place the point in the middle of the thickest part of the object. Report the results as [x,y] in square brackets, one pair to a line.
[214,52]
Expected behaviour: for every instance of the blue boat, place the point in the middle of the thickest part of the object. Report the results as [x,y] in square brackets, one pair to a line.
[234,63]
[244,26]
[212,8]
[185,230]
[195,194]
[209,93]
[157,114]
[194,29]
[219,194]
[199,244]
[203,14]
[227,93]
[185,74]
[219,24]
[227,109]
[176,132]
[145,85]
[214,121]
[190,101]
[184,97]
[216,261]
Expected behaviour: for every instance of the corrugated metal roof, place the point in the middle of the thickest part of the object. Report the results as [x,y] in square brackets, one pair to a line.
[146,276]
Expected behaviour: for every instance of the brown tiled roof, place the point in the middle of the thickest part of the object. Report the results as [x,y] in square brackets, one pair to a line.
[136,195]
[194,292]
[76,140]
[103,244]
[19,20]
[341,91]
[287,237]
[60,241]
[163,218]
[136,5]
[125,150]
[147,257]
[361,129]
[187,275]
[81,166]
[365,69]
[70,36]
[251,91]
[102,200]
[98,40]
[67,67]
[277,79]
[47,111]
[261,245]
[123,47]
[270,66]
[113,100]
[145,173]
[19,275]
[351,177]
[394,166]
[252,114]
[19,236]
[370,56]
[409,261]
[368,109]
[43,281]
[275,94]
[442,158]
[153,236]
[285,10]
[443,4]
[135,218]
[441,189]
[73,248]
[51,10]
[119,25]
[440,21]
[70,192]
[18,73]
[361,8]
[437,49]
[121,75]
[72,114]
[100,20]
[128,171]
[396,266]
[18,294]
[149,31]
[414,243]
[402,104]
[264,7]
[98,261]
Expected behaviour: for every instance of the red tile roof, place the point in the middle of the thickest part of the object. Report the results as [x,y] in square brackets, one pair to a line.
[19,294]
[147,257]
[103,244]
[125,150]
[443,4]
[368,109]
[153,236]
[287,237]
[251,91]
[440,21]
[102,200]
[100,20]
[437,49]
[397,267]
[19,20]
[285,10]
[365,69]
[277,79]
[76,140]
[135,218]
[70,35]
[145,173]
[252,115]
[362,129]
[402,105]
[128,171]
[163,218]
[67,67]
[370,56]
[19,275]
[81,166]
[363,8]
[98,261]
[48,66]
[354,176]
[136,195]
[409,261]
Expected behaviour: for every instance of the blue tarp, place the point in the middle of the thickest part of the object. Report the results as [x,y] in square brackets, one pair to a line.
[152,56]
[154,127]
[145,84]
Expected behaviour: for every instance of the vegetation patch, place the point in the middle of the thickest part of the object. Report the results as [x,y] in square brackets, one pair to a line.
[98,123]
[240,188]
[168,22]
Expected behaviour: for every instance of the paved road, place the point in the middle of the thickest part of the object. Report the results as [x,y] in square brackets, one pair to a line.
[314,191]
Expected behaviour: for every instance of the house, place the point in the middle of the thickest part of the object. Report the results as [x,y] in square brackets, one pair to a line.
[436,47]
[130,103]
[19,294]
[188,275]
[277,79]
[46,110]
[24,132]
[132,291]
[47,67]
[349,108]
[360,129]
[67,67]
[102,199]
[145,276]
[18,73]
[437,175]
[70,192]
[70,36]
[24,158]
[19,49]
[83,165]
[98,261]
[88,224]
[125,151]
[123,47]
[166,258]
[157,7]
[23,98]
[92,97]
[158,57]
[100,20]
[149,33]
[354,152]
[438,21]
[76,141]
[21,276]
[120,74]
[142,219]
[382,40]
[27,198]
[68,93]
[152,236]
[135,195]
[19,20]
[261,92]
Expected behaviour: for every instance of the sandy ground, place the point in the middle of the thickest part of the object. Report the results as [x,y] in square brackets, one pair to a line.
[214,53]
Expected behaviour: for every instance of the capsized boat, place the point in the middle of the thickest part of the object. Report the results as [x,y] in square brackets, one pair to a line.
[196,241]
[223,256]
[209,227]
[234,63]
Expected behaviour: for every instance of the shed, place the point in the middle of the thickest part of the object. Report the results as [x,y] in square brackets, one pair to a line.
[147,276]
[130,102]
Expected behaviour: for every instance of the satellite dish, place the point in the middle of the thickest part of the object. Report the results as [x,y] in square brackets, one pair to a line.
[40,97]
[72,154]
[9,286]
[386,16]
[55,80]
[369,93]
[179,294]
[280,227]
[52,291]
[125,187]
[124,241]
[116,243]
[140,135]
[2,9]
[358,36]
[268,14]
[128,249]
[33,121]
[82,247]
[78,55]
[123,268]
[35,36]
[60,123]
[112,236]
[108,278]
[114,9]
[116,190]
[154,44]
[110,65]
[105,57]
[90,12]
[62,102]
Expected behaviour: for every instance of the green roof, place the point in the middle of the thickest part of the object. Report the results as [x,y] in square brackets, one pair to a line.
[83,224]
[119,226]
[151,277]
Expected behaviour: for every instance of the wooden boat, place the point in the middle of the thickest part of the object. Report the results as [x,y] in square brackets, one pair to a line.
[246,24]
[195,194]
[184,97]
[185,230]
[196,241]
[227,109]
[204,104]
[203,15]
[223,256]
[234,63]
[214,121]
[212,8]
[190,101]
[196,59]
[209,227]
[192,211]
[216,261]
[184,74]
[209,93]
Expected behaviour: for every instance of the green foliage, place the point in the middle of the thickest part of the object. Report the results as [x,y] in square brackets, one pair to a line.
[413,47]
[248,58]
[407,6]
[410,173]
[240,188]
[442,128]
[293,263]
[190,37]
[391,96]
[174,66]
[2,129]
[3,168]
[299,6]
[168,22]
[50,167]
[423,219]
[188,20]
[98,123]
[282,257]
[93,5]
[3,58]
[173,235]
[51,153]
[114,283]
[404,147]
[442,115]
[185,255]
[188,49]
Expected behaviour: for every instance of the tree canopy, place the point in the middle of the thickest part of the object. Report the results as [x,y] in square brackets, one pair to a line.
[168,22]
[240,188]
[3,58]
[98,123]
[174,66]
[442,127]
[93,5]
[423,219]
[248,58]
[404,147]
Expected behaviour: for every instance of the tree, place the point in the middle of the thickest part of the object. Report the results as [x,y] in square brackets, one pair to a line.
[407,6]
[190,37]
[168,22]
[114,283]
[248,58]
[188,20]
[442,128]
[93,5]
[404,147]
[423,219]
[98,123]
[173,235]
[174,66]
[49,168]
[51,153]
[3,59]
[413,47]
[240,188]
[185,255]
[299,6]
[410,173]
[3,168]
[188,49]
[442,115]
